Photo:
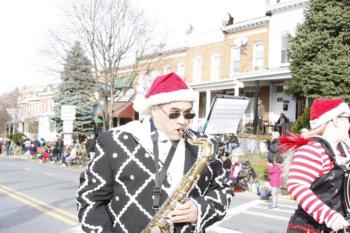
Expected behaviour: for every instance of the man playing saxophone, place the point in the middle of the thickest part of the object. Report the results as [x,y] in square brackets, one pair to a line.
[138,165]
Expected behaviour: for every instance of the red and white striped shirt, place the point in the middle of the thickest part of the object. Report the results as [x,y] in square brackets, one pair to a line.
[310,162]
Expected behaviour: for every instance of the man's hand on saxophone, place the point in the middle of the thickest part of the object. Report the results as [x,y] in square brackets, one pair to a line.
[186,212]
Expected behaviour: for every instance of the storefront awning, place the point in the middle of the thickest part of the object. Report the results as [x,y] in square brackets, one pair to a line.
[121,110]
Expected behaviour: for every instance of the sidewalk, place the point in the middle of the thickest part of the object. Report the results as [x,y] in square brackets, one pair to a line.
[49,163]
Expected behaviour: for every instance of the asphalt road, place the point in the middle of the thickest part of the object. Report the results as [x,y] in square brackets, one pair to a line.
[35,197]
[40,198]
[249,214]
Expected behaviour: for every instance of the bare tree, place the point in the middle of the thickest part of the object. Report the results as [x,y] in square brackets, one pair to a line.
[113,32]
[7,100]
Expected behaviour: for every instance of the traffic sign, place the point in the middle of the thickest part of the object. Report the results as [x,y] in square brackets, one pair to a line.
[68,112]
[67,126]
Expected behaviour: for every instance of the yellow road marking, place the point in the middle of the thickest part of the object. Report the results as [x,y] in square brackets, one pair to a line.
[55,212]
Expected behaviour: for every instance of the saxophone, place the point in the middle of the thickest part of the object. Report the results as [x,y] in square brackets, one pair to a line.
[159,223]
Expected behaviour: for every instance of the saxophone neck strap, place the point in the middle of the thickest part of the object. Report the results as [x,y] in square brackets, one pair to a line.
[159,176]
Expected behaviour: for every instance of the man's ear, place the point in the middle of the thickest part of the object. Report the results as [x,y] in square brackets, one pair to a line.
[335,121]
[153,110]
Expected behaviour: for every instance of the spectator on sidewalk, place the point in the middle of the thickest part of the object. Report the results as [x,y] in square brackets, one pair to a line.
[275,170]
[72,155]
[280,122]
[90,146]
[236,168]
[261,112]
[65,155]
[272,147]
[226,163]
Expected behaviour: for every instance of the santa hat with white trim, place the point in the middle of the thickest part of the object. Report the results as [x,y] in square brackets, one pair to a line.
[324,110]
[165,89]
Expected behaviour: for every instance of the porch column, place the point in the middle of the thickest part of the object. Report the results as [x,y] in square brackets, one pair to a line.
[238,84]
[207,102]
[256,98]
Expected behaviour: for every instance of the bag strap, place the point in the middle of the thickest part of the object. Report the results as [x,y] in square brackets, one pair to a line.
[327,147]
[159,176]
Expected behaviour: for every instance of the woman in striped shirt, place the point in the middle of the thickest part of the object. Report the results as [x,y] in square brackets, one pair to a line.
[316,174]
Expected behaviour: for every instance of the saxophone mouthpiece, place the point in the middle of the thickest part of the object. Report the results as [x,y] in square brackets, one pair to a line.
[181,133]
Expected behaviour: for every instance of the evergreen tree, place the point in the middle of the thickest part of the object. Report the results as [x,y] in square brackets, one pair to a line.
[320,51]
[76,89]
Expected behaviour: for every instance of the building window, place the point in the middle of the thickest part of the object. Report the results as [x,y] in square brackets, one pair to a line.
[181,70]
[258,56]
[197,66]
[284,48]
[236,59]
[215,67]
[279,89]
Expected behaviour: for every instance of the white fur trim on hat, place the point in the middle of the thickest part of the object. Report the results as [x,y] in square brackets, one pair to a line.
[143,105]
[329,115]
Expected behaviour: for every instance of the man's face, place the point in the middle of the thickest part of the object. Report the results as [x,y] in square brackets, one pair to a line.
[343,127]
[170,127]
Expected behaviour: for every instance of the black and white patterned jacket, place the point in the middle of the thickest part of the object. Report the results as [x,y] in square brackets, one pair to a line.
[115,193]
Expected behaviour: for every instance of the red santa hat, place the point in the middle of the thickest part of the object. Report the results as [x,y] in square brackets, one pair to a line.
[324,110]
[165,89]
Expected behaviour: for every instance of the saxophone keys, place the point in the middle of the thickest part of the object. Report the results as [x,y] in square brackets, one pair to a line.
[173,204]
[155,230]
[163,223]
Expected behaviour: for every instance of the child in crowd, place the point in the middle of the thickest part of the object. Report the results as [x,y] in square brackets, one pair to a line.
[275,170]
[236,168]
[45,156]
[226,163]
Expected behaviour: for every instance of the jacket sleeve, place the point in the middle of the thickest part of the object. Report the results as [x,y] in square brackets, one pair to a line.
[213,204]
[96,190]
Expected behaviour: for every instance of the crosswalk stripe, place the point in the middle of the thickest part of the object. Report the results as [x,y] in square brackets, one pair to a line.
[266,215]
[238,209]
[276,209]
[217,229]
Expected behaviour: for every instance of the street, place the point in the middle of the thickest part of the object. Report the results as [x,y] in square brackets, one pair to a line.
[40,198]
[36,198]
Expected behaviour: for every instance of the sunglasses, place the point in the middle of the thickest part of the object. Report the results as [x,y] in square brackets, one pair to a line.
[176,114]
[347,117]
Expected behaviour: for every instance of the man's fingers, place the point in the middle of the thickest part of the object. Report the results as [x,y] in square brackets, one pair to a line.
[184,206]
[186,212]
[180,218]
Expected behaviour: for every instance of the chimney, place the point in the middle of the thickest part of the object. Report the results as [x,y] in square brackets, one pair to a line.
[189,30]
[227,20]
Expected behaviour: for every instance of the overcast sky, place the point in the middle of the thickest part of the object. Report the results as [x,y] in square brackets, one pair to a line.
[25,24]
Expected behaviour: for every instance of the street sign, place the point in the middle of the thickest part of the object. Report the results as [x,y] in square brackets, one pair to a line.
[67,126]
[67,140]
[68,112]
